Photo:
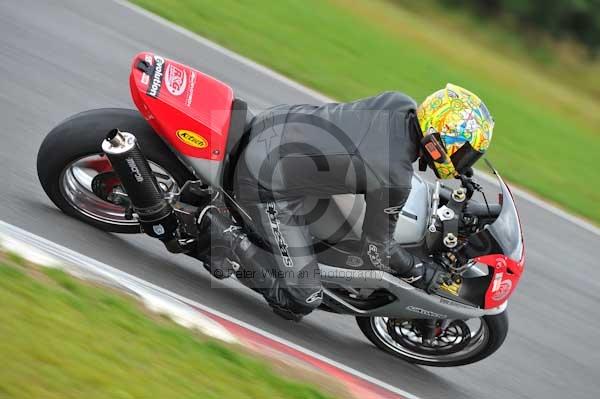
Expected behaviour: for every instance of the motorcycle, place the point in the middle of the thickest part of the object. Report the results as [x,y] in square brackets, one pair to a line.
[167,167]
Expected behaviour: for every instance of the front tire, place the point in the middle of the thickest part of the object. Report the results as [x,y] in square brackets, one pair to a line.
[484,341]
[79,138]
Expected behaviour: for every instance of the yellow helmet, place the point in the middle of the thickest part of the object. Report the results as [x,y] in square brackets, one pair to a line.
[457,130]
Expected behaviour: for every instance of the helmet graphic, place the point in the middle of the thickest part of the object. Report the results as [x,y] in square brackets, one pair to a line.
[457,130]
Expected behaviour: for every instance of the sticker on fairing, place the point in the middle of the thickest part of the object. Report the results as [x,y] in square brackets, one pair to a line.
[503,290]
[192,139]
[497,282]
[175,79]
[145,77]
[156,77]
[190,96]
[453,288]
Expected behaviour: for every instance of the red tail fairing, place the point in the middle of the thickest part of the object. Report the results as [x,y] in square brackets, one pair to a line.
[189,109]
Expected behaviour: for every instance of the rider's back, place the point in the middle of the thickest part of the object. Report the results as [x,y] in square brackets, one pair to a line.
[334,148]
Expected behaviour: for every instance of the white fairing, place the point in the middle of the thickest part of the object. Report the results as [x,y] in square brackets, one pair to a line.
[412,220]
[349,209]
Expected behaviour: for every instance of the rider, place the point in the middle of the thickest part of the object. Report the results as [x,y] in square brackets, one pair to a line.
[297,152]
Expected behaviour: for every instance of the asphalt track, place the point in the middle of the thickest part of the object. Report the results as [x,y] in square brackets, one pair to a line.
[62,57]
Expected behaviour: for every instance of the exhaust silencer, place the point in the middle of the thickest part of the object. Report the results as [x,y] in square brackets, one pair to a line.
[131,166]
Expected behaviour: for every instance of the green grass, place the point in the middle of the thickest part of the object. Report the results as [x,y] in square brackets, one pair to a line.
[61,338]
[563,60]
[547,135]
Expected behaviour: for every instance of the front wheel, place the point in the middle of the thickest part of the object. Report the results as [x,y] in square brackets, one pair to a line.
[456,342]
[78,177]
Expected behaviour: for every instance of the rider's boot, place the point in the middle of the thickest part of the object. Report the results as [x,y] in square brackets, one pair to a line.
[254,275]
[421,273]
[251,267]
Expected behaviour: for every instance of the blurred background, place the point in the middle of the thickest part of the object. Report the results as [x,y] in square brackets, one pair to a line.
[535,64]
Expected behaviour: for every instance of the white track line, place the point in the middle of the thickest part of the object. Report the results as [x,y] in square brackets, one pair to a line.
[322,98]
[102,269]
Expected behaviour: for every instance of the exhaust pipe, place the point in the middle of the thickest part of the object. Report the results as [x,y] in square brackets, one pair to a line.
[156,215]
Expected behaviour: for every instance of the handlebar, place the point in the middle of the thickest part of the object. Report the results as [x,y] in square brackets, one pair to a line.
[479,209]
[474,207]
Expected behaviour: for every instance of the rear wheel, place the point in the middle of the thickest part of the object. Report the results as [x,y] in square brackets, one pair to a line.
[78,178]
[455,343]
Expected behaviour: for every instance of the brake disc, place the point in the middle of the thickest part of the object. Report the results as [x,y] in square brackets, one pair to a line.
[104,184]
[454,338]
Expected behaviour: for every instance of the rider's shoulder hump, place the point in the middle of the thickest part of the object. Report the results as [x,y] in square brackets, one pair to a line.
[394,101]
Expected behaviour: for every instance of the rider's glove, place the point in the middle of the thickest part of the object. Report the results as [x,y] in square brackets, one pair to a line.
[427,275]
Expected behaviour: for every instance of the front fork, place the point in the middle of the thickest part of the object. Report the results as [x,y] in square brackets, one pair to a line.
[432,328]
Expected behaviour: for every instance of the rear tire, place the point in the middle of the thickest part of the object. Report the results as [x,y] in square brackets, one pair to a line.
[80,136]
[496,331]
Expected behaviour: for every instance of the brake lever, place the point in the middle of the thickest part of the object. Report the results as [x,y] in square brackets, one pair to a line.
[477,186]
[454,263]
[470,185]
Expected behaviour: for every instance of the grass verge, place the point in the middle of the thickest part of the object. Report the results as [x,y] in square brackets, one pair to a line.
[63,338]
[546,137]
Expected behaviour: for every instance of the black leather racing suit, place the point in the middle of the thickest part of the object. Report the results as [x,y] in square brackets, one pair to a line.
[301,151]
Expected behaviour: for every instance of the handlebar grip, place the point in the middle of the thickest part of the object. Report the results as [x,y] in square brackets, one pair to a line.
[478,209]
